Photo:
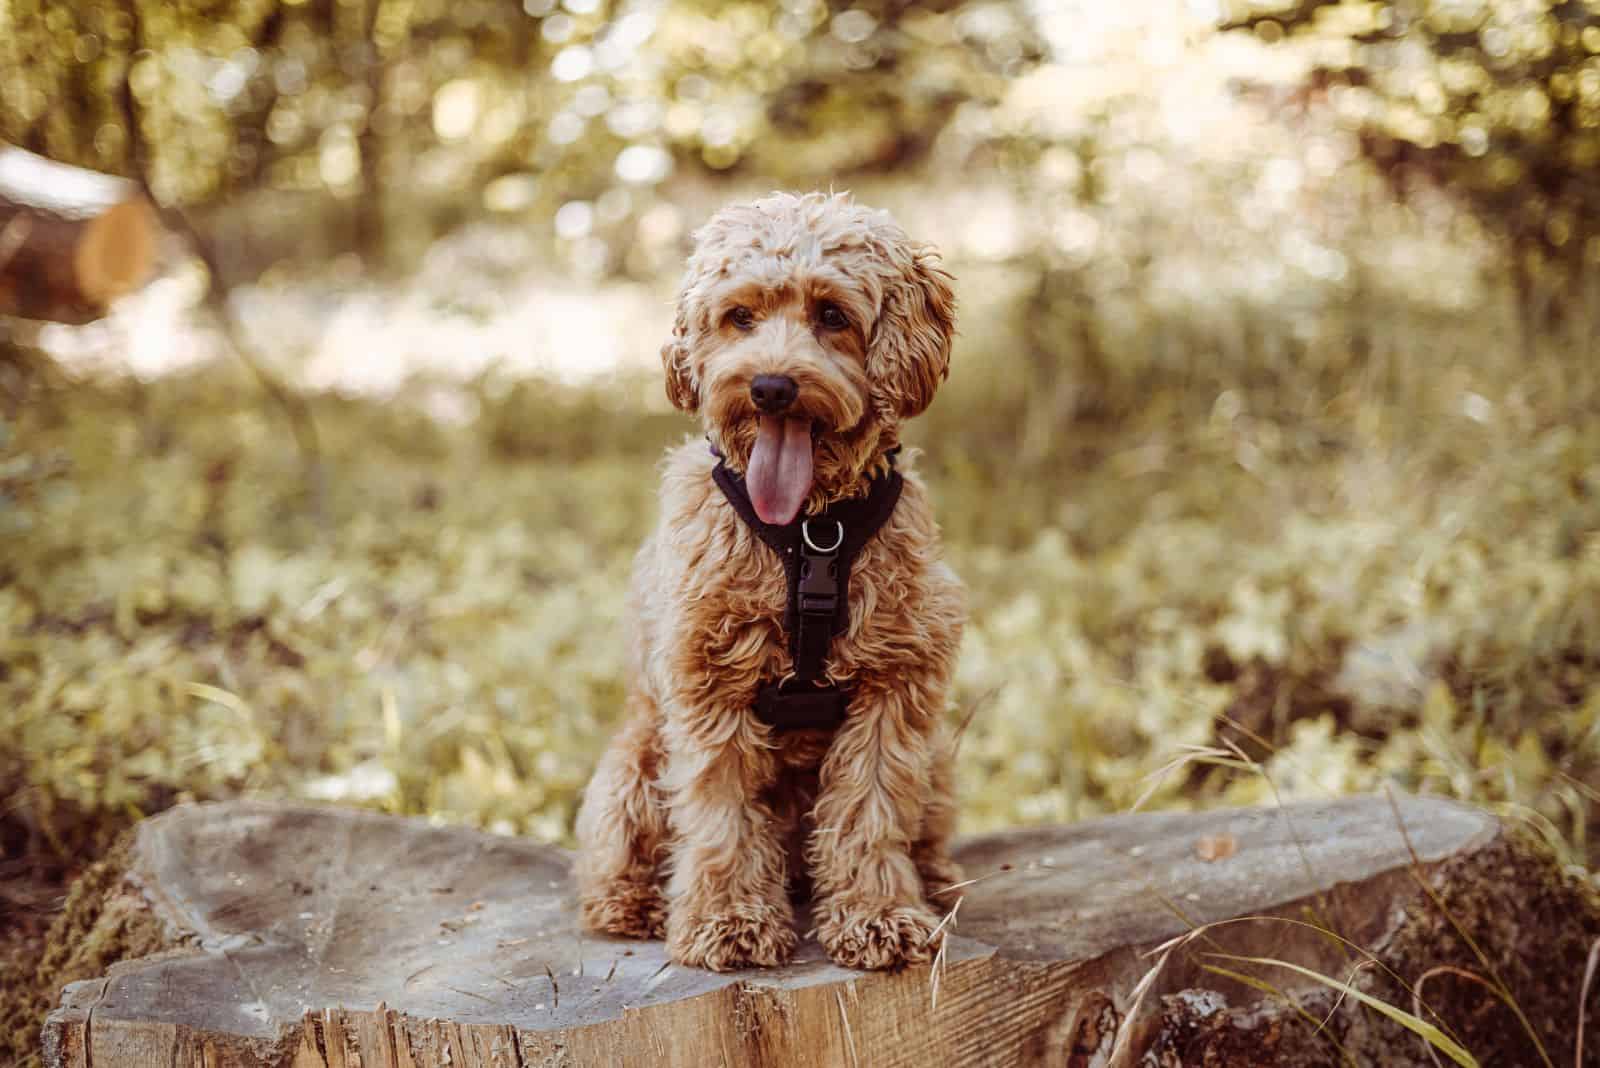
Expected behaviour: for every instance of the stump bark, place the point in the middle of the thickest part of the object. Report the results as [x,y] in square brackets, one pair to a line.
[329,938]
[71,240]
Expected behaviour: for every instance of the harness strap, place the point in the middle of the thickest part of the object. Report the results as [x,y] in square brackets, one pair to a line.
[817,553]
[817,601]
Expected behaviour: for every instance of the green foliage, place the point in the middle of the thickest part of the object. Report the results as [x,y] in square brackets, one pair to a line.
[1497,101]
[415,116]
[177,623]
[195,634]
[62,69]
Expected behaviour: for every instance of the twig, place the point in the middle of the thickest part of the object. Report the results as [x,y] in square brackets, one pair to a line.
[301,423]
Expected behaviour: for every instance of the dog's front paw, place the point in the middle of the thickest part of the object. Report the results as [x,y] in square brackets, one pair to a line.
[627,910]
[881,937]
[753,935]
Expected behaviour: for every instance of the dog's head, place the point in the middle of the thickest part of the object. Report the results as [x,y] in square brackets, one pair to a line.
[807,328]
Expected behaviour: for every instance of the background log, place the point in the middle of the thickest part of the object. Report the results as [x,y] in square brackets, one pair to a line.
[71,240]
[322,938]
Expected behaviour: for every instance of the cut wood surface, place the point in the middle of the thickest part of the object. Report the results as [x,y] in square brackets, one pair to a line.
[328,938]
[71,240]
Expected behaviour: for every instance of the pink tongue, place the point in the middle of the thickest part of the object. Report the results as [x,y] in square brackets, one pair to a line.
[779,475]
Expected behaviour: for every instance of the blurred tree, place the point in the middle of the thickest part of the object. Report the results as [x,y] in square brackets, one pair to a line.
[273,130]
[1495,101]
[418,114]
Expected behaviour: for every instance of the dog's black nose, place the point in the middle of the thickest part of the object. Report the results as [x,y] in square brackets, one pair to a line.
[773,393]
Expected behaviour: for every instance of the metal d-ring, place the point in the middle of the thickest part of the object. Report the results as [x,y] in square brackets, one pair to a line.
[805,533]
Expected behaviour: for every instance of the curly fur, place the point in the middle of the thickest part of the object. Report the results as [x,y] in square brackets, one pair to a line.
[701,822]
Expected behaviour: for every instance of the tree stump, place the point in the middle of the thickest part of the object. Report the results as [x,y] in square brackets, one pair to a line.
[71,240]
[312,937]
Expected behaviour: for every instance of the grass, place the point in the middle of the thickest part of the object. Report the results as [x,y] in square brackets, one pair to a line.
[1508,887]
[447,638]
[1435,1037]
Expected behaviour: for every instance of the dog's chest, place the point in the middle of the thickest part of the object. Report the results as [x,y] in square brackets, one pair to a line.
[747,593]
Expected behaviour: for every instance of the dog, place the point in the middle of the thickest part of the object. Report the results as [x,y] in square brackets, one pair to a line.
[808,329]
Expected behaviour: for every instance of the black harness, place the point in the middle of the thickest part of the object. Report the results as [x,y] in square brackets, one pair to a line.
[817,553]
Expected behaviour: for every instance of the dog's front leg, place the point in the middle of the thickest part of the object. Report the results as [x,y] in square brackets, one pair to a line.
[727,905]
[870,909]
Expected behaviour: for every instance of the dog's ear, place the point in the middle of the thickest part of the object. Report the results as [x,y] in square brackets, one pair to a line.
[681,389]
[910,352]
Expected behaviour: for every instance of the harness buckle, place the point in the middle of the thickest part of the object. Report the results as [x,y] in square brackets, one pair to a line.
[801,707]
[817,592]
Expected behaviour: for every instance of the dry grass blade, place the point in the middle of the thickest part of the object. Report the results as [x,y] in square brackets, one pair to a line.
[1589,792]
[1266,743]
[1122,1045]
[1583,1000]
[949,918]
[1447,969]
[1497,984]
[1230,755]
[657,976]
[936,975]
[976,879]
[1194,754]
[1202,932]
[1357,970]
[1277,799]
[1410,1021]
[1537,822]
[978,704]
[1257,983]
[1368,960]
[1188,936]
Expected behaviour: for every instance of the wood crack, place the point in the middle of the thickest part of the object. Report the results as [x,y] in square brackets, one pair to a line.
[88,1024]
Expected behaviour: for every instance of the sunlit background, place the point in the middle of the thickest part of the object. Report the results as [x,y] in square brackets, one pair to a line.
[1269,455]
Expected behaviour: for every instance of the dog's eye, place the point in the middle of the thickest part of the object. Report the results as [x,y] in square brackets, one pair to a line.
[742,317]
[832,318]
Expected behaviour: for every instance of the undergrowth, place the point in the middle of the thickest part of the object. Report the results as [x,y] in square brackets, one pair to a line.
[1387,589]
[1385,577]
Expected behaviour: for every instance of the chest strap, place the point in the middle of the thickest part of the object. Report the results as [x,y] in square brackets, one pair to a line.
[817,553]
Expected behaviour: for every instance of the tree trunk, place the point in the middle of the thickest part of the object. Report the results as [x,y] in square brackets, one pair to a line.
[71,240]
[316,937]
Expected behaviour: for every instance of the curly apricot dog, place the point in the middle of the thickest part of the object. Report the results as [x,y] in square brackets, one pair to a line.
[795,625]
